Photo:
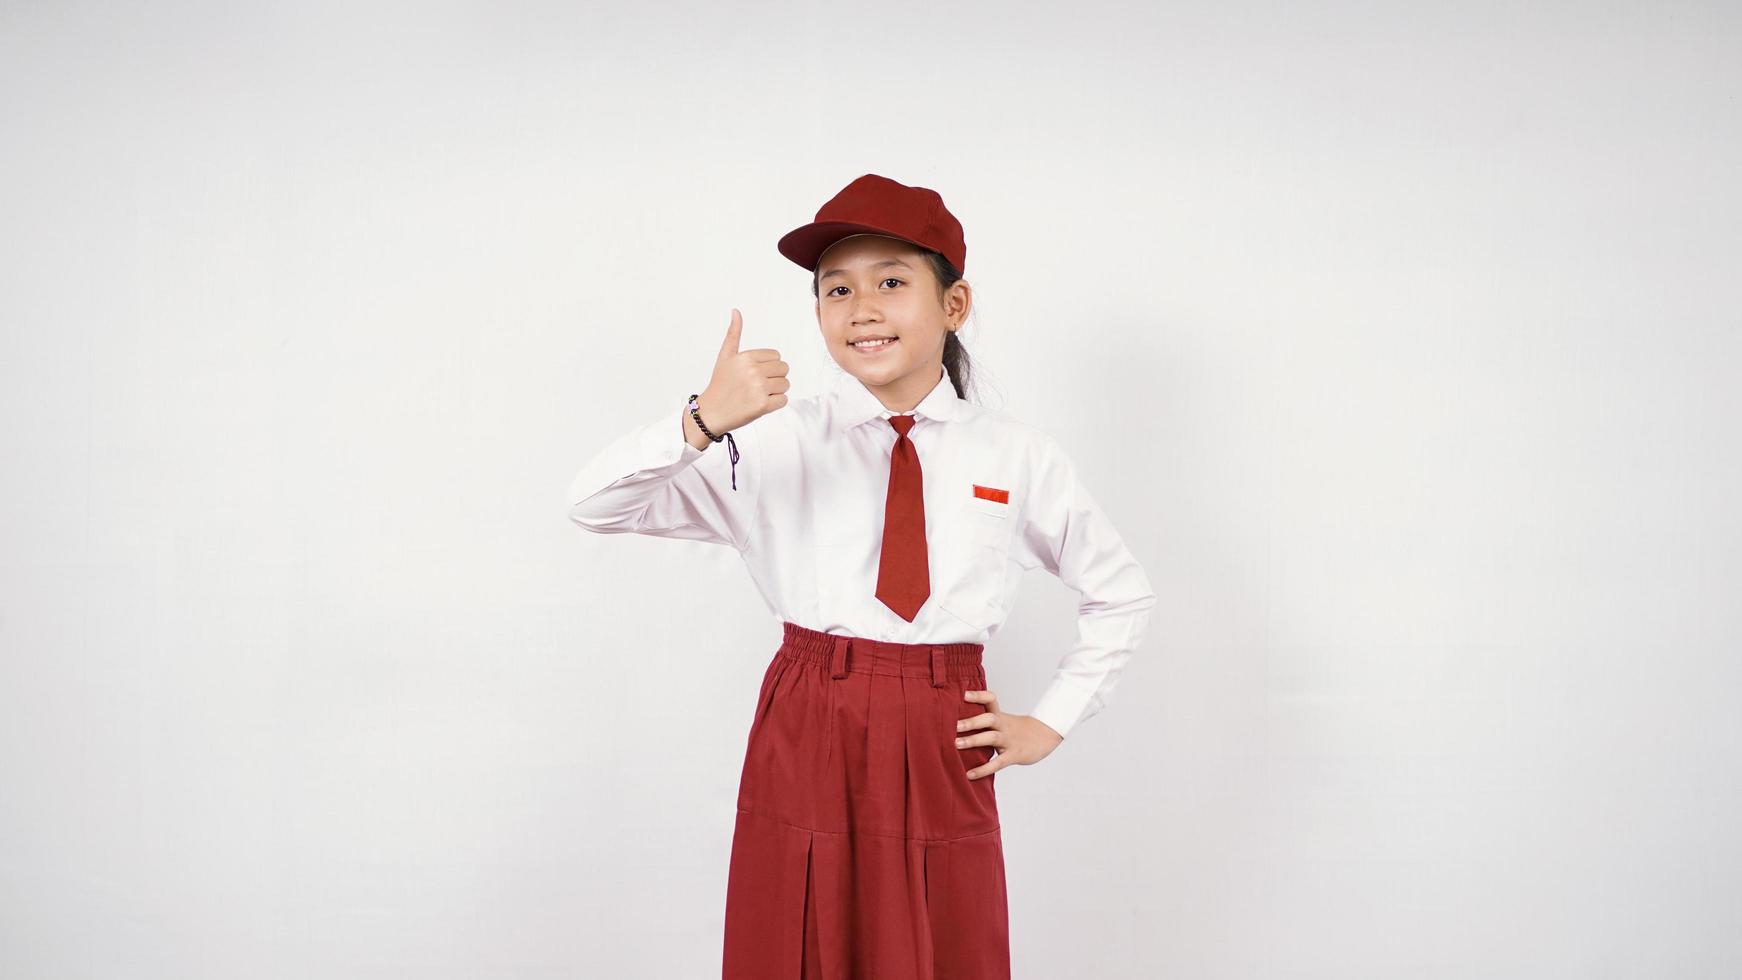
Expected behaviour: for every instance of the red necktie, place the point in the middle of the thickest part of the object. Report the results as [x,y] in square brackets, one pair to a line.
[902,579]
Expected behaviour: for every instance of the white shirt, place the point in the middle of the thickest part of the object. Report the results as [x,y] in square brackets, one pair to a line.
[807,518]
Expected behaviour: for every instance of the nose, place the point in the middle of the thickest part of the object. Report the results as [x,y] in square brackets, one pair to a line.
[864,310]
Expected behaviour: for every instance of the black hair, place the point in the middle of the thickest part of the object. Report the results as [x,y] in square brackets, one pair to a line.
[956,361]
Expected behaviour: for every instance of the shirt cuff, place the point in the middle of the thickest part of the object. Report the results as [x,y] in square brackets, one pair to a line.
[1062,705]
[657,451]
[657,439]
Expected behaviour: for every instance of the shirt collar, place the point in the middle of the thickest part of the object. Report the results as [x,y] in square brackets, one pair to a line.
[856,404]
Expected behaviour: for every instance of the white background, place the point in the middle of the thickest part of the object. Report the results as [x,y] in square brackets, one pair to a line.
[1400,341]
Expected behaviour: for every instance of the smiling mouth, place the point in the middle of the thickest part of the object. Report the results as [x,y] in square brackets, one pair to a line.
[875,345]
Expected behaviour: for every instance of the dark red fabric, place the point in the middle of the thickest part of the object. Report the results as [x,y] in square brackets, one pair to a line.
[862,850]
[875,205]
[903,573]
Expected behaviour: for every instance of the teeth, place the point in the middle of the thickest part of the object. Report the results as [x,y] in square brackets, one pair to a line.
[874,343]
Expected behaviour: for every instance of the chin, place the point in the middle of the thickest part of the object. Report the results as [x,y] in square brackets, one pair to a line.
[881,374]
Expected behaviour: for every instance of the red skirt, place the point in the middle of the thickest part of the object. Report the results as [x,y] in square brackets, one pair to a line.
[862,850]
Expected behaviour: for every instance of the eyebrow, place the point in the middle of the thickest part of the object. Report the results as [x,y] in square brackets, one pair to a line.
[874,265]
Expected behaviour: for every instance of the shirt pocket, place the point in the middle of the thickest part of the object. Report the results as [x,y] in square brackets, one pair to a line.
[982,546]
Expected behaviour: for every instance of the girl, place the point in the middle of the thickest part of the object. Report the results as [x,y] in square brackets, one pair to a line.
[887,524]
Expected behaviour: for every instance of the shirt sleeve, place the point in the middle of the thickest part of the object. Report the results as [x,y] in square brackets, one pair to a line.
[1065,531]
[650,480]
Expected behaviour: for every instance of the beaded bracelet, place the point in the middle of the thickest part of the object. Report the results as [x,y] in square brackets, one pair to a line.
[731,444]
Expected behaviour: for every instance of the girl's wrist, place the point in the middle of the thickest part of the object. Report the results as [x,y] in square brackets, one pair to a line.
[695,418]
[694,435]
[693,408]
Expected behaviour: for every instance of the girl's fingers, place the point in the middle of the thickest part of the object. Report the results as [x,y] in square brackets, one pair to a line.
[976,721]
[994,738]
[998,762]
[988,697]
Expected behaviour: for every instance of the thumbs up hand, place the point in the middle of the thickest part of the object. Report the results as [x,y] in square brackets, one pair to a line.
[747,384]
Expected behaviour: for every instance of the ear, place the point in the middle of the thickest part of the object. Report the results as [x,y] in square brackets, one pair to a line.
[958,300]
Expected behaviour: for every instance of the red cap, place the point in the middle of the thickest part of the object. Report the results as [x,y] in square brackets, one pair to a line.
[873,205]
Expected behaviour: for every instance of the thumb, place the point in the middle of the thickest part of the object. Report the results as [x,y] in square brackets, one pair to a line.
[733,330]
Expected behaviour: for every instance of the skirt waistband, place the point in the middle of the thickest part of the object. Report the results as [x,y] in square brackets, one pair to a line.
[843,654]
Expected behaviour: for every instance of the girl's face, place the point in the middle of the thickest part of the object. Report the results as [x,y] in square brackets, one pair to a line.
[871,286]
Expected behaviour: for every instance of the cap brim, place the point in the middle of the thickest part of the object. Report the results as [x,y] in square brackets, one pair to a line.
[806,244]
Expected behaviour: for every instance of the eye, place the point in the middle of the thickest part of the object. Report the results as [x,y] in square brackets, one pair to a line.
[892,279]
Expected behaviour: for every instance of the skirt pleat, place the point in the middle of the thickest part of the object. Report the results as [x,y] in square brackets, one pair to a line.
[861,850]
